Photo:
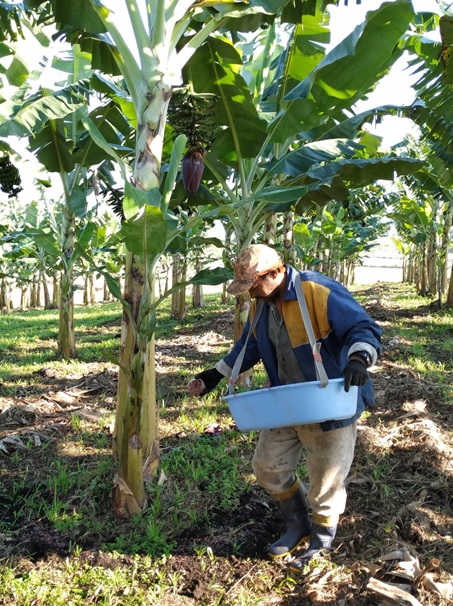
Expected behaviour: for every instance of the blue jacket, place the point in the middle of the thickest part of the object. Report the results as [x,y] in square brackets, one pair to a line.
[338,320]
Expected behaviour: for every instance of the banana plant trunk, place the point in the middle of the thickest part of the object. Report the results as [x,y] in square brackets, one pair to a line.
[105,292]
[197,291]
[55,291]
[178,297]
[182,308]
[66,333]
[23,298]
[449,301]
[33,293]
[445,245]
[423,272]
[45,287]
[229,231]
[289,252]
[270,229]
[4,296]
[135,441]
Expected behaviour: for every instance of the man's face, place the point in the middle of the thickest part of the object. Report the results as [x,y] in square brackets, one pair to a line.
[265,287]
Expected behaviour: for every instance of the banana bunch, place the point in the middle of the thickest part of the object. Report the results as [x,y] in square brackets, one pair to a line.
[193,115]
[10,181]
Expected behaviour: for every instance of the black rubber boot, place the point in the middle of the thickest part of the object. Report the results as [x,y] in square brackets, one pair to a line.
[294,509]
[320,543]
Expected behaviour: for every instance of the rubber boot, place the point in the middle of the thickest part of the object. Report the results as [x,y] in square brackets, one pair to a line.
[294,509]
[320,543]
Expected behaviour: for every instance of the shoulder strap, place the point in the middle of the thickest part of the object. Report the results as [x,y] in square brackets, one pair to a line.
[315,346]
[240,358]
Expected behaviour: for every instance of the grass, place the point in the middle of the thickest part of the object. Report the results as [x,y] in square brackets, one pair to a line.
[28,341]
[62,544]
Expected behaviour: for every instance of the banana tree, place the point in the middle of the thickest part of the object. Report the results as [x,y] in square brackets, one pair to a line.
[432,109]
[332,239]
[293,144]
[50,118]
[166,34]
[423,217]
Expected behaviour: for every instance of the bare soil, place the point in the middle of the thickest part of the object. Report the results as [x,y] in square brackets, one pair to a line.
[397,528]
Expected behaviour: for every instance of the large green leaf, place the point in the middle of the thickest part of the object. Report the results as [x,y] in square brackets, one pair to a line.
[48,243]
[102,53]
[433,109]
[85,234]
[112,127]
[334,180]
[347,126]
[146,234]
[27,119]
[277,194]
[252,14]
[215,68]
[53,149]
[357,172]
[113,89]
[80,23]
[134,199]
[209,277]
[197,241]
[320,193]
[303,236]
[301,160]
[304,51]
[346,73]
[443,173]
[10,21]
[212,277]
[18,71]
[77,15]
[78,201]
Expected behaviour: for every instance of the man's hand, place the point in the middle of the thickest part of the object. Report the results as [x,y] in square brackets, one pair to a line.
[204,382]
[355,373]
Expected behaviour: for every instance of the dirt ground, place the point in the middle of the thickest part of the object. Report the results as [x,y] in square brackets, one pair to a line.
[397,529]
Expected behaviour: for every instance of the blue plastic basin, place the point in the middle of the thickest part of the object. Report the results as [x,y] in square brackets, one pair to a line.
[295,404]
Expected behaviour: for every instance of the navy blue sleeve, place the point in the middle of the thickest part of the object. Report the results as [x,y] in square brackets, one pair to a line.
[349,320]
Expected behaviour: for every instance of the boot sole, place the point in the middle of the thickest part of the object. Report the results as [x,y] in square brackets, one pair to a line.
[305,539]
[298,570]
[322,553]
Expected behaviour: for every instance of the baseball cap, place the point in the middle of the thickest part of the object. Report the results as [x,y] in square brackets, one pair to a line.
[253,261]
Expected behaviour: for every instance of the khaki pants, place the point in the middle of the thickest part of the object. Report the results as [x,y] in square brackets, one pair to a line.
[329,456]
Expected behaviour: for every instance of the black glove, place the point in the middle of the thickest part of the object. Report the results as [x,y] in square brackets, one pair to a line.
[355,373]
[211,378]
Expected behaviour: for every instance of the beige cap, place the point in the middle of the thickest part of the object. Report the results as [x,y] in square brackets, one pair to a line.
[253,261]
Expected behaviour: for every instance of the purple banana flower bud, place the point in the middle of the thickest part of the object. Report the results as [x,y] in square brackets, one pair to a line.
[192,171]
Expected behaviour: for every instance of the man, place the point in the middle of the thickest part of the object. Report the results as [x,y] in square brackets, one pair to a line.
[350,345]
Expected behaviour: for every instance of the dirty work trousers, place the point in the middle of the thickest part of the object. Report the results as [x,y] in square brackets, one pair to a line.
[329,456]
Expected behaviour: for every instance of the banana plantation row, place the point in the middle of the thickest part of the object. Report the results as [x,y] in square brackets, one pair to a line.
[179,115]
[329,240]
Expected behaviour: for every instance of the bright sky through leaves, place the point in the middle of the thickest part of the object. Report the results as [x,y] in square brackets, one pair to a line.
[396,87]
